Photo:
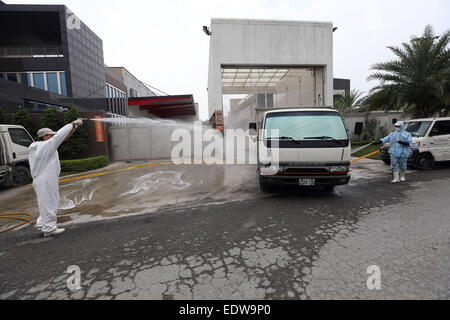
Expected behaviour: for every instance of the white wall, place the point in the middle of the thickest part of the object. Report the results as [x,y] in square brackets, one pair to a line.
[244,42]
[384,118]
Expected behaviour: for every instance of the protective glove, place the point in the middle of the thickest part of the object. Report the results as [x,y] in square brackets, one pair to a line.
[403,143]
[375,143]
[77,123]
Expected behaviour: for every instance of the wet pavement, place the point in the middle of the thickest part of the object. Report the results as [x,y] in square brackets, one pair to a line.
[223,239]
[139,190]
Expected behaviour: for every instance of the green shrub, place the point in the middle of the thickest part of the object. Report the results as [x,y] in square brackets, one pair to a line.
[23,119]
[51,119]
[74,166]
[77,144]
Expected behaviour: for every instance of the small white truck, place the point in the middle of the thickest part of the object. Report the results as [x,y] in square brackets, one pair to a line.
[14,166]
[302,147]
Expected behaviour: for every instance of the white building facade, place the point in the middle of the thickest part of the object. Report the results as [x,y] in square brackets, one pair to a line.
[290,62]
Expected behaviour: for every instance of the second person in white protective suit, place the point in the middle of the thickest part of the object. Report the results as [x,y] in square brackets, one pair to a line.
[400,145]
[45,170]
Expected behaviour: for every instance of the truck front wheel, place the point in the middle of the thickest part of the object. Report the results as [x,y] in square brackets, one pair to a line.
[425,161]
[19,176]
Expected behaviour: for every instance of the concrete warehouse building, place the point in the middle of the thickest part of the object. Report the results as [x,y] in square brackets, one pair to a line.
[288,63]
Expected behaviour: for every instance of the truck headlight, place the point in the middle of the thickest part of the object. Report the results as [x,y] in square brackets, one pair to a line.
[338,168]
[416,144]
[269,170]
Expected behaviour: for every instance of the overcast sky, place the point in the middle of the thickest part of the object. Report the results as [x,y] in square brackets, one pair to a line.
[162,42]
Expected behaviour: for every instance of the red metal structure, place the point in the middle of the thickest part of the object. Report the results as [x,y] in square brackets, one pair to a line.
[165,106]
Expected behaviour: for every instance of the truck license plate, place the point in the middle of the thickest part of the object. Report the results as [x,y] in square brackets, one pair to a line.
[306,182]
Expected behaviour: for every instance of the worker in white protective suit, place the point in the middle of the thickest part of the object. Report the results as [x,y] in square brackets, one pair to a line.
[45,170]
[400,145]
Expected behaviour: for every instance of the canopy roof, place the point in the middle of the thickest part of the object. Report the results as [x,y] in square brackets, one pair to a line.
[165,106]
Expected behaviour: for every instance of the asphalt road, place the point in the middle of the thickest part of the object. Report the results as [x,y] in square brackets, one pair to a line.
[299,244]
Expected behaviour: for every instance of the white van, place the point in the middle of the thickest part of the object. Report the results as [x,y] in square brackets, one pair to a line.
[431,139]
[14,166]
[308,147]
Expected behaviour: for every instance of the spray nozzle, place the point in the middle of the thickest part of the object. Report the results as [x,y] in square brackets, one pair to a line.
[78,122]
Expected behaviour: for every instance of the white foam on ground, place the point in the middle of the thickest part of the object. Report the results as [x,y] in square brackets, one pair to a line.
[75,197]
[156,180]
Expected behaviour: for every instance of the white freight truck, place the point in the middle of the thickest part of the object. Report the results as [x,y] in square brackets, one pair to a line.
[302,147]
[14,166]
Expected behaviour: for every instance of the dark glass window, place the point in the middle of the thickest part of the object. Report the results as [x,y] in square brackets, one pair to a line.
[29,105]
[20,137]
[441,128]
[52,82]
[358,128]
[25,79]
[11,77]
[38,79]
[62,77]
[42,106]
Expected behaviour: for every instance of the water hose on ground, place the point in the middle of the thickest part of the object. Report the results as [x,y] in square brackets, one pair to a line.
[367,155]
[16,216]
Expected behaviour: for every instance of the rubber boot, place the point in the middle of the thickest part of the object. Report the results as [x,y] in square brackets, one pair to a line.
[402,175]
[396,177]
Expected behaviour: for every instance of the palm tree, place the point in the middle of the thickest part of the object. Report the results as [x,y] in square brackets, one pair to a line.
[350,101]
[418,79]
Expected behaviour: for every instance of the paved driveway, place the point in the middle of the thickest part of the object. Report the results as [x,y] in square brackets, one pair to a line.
[293,245]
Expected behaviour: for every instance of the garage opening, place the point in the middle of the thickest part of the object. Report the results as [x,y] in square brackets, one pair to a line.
[246,88]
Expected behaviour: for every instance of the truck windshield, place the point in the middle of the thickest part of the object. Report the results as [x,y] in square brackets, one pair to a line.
[306,125]
[417,128]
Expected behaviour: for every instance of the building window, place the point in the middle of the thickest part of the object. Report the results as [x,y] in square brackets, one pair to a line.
[62,78]
[36,106]
[116,99]
[11,77]
[52,82]
[38,79]
[25,79]
[359,128]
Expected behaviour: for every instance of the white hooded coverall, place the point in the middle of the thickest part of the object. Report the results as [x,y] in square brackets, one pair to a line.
[45,170]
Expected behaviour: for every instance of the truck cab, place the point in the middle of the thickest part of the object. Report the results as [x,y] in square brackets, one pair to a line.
[302,147]
[14,166]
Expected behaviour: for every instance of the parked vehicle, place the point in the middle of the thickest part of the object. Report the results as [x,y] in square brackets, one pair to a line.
[14,166]
[311,147]
[431,139]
